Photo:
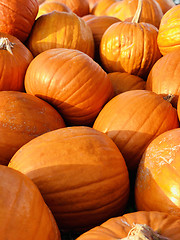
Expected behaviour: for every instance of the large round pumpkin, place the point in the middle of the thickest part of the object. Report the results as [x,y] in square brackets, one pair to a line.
[71,81]
[22,118]
[137,225]
[14,60]
[169,31]
[132,119]
[23,212]
[61,30]
[81,175]
[158,181]
[17,17]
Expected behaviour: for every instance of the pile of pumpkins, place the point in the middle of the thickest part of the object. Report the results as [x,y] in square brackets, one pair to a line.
[89,119]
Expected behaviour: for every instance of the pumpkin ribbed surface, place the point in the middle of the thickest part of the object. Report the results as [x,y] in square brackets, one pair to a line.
[81,175]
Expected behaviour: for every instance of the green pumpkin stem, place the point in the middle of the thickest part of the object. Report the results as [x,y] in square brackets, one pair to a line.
[137,14]
[6,44]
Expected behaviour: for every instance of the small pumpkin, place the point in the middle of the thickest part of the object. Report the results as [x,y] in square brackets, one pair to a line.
[169,31]
[17,17]
[72,82]
[81,175]
[137,225]
[158,181]
[23,212]
[22,118]
[133,119]
[61,30]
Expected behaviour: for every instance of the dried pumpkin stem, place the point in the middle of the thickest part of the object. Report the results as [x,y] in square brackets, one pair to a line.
[143,232]
[6,44]
[137,14]
[169,97]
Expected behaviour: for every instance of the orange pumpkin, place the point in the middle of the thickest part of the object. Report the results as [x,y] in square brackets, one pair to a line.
[61,30]
[166,5]
[126,9]
[80,173]
[178,108]
[14,60]
[71,81]
[137,225]
[88,17]
[48,7]
[130,47]
[17,17]
[164,77]
[22,118]
[101,6]
[158,181]
[23,212]
[133,119]
[169,31]
[123,82]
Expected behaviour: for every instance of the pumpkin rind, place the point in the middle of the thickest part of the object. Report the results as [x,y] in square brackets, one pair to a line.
[80,173]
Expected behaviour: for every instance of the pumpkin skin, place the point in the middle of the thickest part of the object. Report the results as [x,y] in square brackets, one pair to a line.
[165,5]
[119,227]
[24,214]
[61,30]
[101,6]
[13,63]
[125,11]
[123,82]
[169,31]
[129,47]
[48,7]
[78,95]
[158,173]
[22,118]
[81,175]
[17,17]
[164,77]
[133,119]
[178,108]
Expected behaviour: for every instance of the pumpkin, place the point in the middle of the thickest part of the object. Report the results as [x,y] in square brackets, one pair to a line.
[99,9]
[164,77]
[178,108]
[72,82]
[23,212]
[166,5]
[81,175]
[158,181]
[14,60]
[92,3]
[88,17]
[130,47]
[126,9]
[123,82]
[61,30]
[137,225]
[48,7]
[169,31]
[133,119]
[79,7]
[17,17]
[22,118]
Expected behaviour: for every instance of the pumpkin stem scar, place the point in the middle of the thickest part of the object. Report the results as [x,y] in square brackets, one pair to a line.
[138,12]
[169,97]
[143,232]
[6,44]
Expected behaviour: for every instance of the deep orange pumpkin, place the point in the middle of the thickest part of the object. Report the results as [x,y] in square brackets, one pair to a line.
[14,60]
[23,212]
[22,118]
[158,181]
[17,17]
[161,224]
[71,81]
[133,119]
[80,173]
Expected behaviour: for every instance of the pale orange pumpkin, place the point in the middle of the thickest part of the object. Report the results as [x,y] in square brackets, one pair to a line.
[158,181]
[72,82]
[61,30]
[81,175]
[22,118]
[17,17]
[166,5]
[133,119]
[14,60]
[23,212]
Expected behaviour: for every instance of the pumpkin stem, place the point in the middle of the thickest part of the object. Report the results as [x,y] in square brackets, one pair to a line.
[6,44]
[169,97]
[138,12]
[143,232]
